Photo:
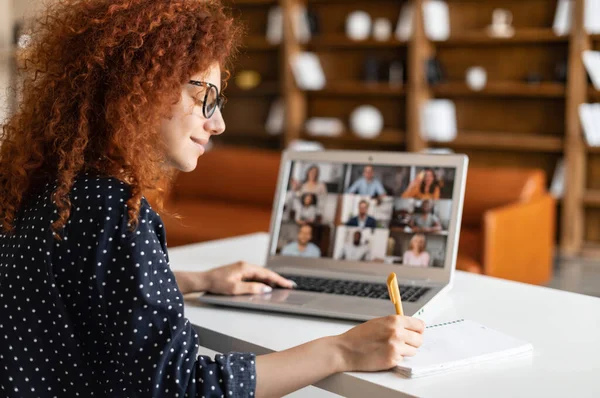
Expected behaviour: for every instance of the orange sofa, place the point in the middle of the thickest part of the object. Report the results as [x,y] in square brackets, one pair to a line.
[508,217]
[230,193]
[508,225]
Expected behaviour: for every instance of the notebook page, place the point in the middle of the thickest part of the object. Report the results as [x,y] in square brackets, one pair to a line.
[460,343]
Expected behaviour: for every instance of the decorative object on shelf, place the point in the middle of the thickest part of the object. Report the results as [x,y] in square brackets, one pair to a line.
[591,60]
[404,28]
[592,16]
[533,78]
[372,71]
[366,121]
[307,71]
[476,78]
[563,18]
[276,117]
[300,23]
[437,151]
[396,74]
[561,72]
[382,29]
[324,126]
[247,79]
[433,71]
[501,24]
[557,187]
[438,118]
[589,114]
[303,145]
[274,25]
[358,25]
[314,24]
[436,19]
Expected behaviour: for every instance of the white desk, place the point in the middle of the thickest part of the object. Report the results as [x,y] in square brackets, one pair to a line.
[564,329]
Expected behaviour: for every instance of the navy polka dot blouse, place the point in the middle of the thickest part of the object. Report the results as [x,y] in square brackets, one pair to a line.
[99,313]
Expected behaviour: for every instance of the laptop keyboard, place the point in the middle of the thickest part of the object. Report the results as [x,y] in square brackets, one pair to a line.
[352,288]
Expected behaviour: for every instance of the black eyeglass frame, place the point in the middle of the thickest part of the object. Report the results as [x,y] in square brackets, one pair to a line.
[221,100]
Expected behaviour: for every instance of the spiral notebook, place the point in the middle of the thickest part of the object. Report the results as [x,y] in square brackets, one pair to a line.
[451,345]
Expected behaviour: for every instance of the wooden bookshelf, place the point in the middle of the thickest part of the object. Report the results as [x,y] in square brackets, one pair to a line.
[505,141]
[389,139]
[341,41]
[592,198]
[507,89]
[360,89]
[263,89]
[521,36]
[508,123]
[258,43]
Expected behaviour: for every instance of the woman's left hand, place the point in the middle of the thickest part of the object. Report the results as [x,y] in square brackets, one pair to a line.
[243,278]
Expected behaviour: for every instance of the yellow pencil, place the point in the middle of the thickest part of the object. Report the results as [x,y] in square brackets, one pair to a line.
[394,291]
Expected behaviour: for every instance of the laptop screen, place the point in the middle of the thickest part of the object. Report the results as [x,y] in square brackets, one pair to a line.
[396,215]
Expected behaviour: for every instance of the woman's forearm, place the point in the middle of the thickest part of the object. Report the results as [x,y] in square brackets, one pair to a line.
[281,373]
[189,282]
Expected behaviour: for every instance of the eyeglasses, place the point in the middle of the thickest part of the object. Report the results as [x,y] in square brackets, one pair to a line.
[212,98]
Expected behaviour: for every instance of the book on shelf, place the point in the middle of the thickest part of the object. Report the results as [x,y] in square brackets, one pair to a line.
[591,60]
[592,16]
[404,28]
[563,18]
[589,115]
[557,187]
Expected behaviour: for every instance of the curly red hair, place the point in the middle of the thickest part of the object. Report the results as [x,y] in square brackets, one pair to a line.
[99,77]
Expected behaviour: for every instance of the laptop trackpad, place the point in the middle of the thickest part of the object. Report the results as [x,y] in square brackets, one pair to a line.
[283,296]
[351,305]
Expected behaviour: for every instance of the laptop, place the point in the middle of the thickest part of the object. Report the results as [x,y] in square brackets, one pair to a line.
[343,220]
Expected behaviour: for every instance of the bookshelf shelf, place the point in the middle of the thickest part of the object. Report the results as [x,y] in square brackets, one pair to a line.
[388,137]
[592,198]
[505,141]
[593,93]
[593,149]
[360,89]
[257,132]
[502,88]
[341,41]
[258,43]
[522,36]
[263,89]
[252,2]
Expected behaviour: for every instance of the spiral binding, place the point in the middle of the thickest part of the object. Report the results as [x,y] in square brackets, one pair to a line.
[444,324]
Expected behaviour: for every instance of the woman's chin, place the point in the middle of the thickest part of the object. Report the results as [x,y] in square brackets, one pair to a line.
[185,165]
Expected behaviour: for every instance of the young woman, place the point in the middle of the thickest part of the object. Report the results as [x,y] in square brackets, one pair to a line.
[118,94]
[416,256]
[425,186]
[306,213]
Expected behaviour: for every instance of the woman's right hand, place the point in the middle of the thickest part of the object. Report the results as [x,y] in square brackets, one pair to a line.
[380,343]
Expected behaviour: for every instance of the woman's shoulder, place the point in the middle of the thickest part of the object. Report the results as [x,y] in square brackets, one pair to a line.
[100,194]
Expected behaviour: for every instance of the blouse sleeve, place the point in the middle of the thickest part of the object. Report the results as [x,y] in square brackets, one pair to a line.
[149,343]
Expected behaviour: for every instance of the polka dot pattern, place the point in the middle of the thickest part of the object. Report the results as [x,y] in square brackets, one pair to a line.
[98,312]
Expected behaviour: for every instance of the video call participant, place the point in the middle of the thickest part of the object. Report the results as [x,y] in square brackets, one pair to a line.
[425,186]
[306,213]
[303,247]
[368,185]
[311,184]
[416,256]
[355,250]
[363,220]
[425,221]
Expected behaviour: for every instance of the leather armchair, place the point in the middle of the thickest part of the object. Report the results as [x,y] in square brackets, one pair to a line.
[508,225]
